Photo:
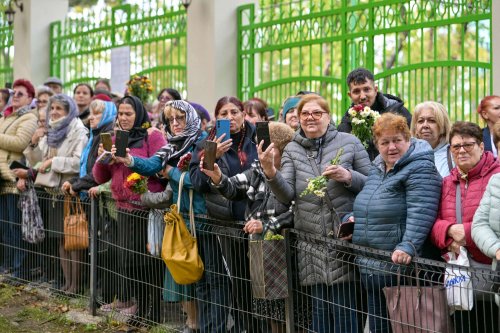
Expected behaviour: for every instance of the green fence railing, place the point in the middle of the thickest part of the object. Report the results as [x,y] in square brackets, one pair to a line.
[6,47]
[418,50]
[155,32]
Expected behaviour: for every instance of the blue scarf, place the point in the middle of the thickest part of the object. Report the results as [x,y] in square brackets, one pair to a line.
[108,116]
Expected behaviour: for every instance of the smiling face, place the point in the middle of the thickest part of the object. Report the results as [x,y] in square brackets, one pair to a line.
[427,128]
[57,111]
[235,115]
[20,97]
[314,120]
[292,118]
[363,93]
[392,146]
[126,116]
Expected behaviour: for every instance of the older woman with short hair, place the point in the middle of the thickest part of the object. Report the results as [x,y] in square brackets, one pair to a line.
[430,122]
[402,193]
[309,155]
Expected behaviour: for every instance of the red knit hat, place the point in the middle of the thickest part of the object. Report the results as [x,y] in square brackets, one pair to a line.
[102,97]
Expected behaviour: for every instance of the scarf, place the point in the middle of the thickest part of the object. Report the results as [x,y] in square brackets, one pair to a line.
[139,132]
[178,145]
[57,134]
[108,116]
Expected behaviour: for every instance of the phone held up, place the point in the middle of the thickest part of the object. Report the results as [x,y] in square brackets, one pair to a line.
[17,165]
[345,229]
[262,129]
[121,143]
[209,155]
[223,127]
[106,141]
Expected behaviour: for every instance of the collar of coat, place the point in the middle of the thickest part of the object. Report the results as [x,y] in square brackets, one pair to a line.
[482,168]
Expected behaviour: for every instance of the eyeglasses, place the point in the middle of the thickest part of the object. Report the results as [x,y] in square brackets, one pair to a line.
[316,115]
[41,102]
[179,119]
[18,94]
[164,99]
[468,146]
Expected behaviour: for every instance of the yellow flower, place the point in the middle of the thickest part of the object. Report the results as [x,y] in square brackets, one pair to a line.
[133,176]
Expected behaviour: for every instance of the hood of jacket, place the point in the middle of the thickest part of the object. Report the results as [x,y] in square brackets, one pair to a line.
[419,150]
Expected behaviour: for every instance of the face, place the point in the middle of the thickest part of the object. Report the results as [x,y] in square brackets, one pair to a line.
[235,115]
[57,111]
[253,117]
[363,93]
[314,120]
[165,97]
[466,152]
[177,121]
[94,118]
[42,117]
[126,116]
[292,118]
[392,146]
[427,128]
[491,113]
[101,86]
[20,97]
[57,89]
[82,96]
[42,101]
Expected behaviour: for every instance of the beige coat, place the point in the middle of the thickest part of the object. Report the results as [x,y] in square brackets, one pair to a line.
[16,131]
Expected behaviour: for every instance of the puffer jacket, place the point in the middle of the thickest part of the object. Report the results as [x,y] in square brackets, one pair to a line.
[399,207]
[16,131]
[471,191]
[312,214]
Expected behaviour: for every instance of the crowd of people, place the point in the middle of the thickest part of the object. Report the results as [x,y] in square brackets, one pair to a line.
[422,186]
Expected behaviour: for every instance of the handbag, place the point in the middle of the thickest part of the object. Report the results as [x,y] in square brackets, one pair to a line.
[50,179]
[268,269]
[416,308]
[76,230]
[32,223]
[179,248]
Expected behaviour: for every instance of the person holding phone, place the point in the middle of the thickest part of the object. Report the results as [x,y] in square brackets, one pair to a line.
[131,235]
[234,156]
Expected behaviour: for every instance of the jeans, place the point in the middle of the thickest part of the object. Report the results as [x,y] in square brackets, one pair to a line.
[334,308]
[10,218]
[213,290]
[377,308]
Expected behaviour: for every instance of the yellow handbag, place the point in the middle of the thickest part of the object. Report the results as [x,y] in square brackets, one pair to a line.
[179,248]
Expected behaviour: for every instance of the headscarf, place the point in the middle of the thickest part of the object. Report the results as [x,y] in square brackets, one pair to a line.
[108,116]
[56,136]
[139,131]
[178,145]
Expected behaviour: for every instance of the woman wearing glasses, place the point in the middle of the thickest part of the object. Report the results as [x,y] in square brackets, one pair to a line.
[474,168]
[309,154]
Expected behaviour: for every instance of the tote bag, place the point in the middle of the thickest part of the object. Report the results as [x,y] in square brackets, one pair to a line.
[76,228]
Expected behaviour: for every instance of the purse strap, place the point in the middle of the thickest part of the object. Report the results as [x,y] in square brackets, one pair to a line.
[458,204]
[417,274]
[192,227]
[448,158]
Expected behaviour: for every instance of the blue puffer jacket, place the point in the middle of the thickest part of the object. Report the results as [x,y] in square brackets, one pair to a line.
[400,207]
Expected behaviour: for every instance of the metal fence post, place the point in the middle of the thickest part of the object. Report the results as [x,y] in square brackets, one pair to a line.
[93,255]
[289,306]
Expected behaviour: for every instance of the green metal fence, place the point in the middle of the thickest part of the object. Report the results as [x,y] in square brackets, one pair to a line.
[418,50]
[155,32]
[6,47]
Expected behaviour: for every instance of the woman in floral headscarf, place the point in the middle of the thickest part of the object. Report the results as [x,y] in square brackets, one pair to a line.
[182,126]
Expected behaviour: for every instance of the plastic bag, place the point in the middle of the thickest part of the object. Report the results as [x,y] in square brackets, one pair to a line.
[458,282]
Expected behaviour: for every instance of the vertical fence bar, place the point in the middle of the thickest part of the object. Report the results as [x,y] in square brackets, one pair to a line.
[93,256]
[289,304]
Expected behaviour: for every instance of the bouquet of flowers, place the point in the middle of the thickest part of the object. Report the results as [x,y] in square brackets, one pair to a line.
[317,185]
[362,120]
[136,183]
[184,161]
[140,86]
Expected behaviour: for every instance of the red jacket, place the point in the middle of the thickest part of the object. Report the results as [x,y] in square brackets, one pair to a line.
[471,192]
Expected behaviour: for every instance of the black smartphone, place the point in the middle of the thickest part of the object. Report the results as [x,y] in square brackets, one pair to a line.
[345,229]
[106,141]
[262,128]
[121,143]
[209,155]
[17,165]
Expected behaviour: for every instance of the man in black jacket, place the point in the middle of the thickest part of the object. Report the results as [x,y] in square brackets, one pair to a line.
[362,90]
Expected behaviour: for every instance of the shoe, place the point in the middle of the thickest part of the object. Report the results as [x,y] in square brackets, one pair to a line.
[130,311]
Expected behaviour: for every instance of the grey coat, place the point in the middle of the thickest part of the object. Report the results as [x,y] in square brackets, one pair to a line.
[312,213]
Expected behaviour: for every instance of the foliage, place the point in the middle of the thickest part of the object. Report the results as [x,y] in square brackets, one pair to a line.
[317,185]
[362,120]
[136,183]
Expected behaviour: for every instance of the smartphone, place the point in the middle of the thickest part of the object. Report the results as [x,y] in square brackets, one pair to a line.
[345,229]
[17,165]
[121,143]
[106,141]
[209,155]
[222,127]
[262,128]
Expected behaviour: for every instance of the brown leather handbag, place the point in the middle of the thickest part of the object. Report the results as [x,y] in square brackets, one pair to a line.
[76,228]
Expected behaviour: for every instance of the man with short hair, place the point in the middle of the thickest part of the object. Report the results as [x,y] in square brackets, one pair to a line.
[363,90]
[55,84]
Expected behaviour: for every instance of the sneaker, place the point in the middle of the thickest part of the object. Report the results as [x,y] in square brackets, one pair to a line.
[130,311]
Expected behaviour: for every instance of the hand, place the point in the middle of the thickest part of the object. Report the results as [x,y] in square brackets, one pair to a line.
[21,173]
[21,184]
[127,160]
[498,256]
[164,172]
[152,129]
[215,175]
[66,186]
[45,167]
[400,257]
[266,159]
[457,232]
[338,173]
[346,238]
[454,247]
[94,192]
[39,133]
[222,147]
[253,227]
